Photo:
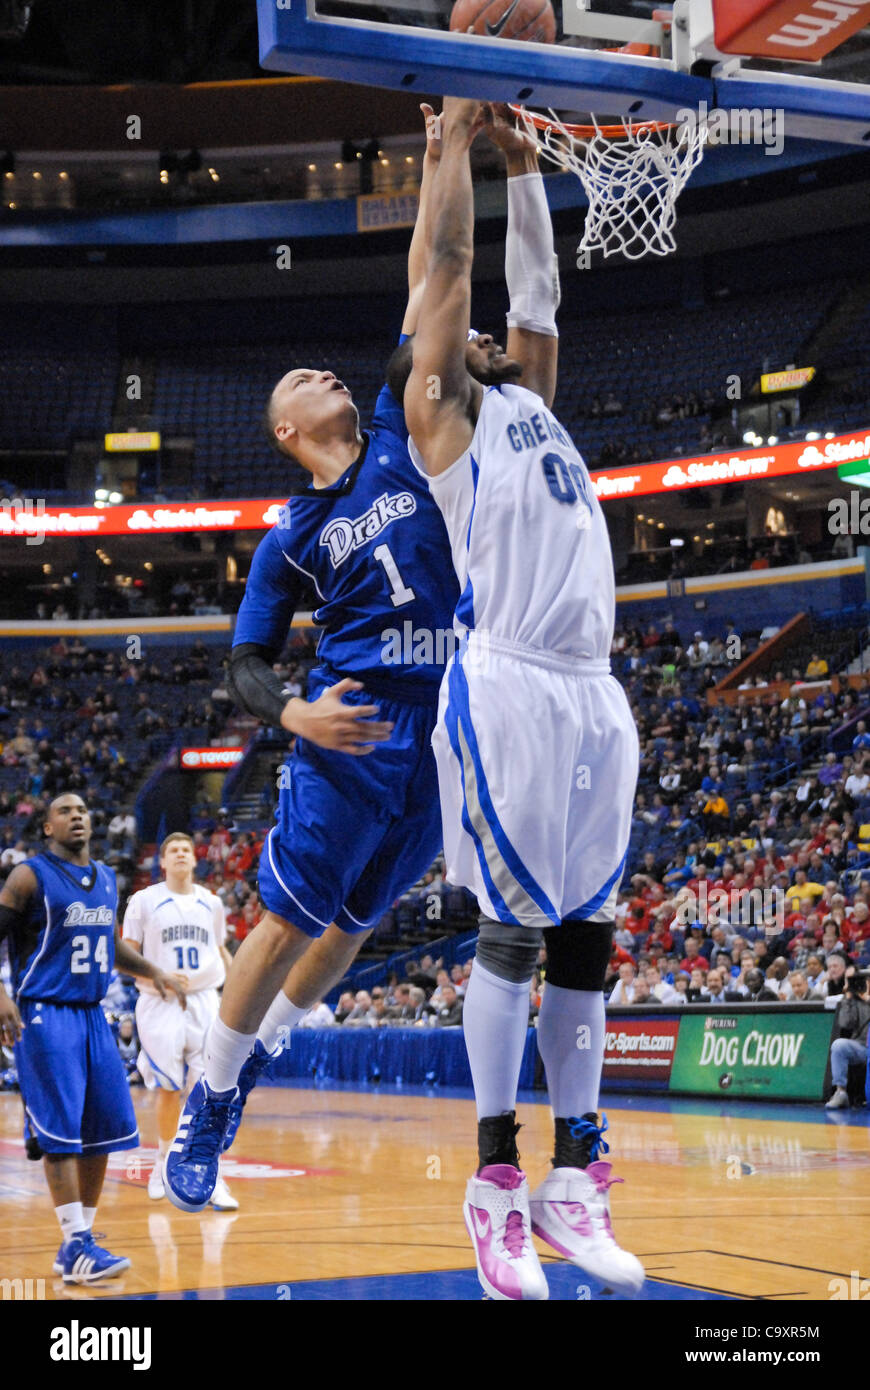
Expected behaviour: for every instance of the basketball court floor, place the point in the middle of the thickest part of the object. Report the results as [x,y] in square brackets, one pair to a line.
[351,1194]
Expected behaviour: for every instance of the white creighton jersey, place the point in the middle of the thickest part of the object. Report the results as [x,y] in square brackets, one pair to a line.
[179,932]
[529,541]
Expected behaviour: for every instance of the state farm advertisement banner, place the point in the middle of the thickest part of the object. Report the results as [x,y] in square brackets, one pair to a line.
[636,1049]
[799,29]
[29,517]
[741,465]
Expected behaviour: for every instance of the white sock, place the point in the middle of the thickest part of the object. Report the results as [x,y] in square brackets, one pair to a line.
[571,1027]
[280,1018]
[495,1020]
[163,1148]
[71,1218]
[88,1214]
[225,1053]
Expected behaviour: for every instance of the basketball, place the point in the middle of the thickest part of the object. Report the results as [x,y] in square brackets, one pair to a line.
[529,20]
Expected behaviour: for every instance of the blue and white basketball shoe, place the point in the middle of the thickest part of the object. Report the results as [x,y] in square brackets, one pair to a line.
[255,1064]
[191,1170]
[81,1261]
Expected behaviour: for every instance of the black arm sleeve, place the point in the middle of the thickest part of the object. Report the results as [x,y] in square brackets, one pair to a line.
[254,685]
[11,920]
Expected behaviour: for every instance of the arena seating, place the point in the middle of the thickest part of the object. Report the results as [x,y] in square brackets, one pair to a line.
[211,366]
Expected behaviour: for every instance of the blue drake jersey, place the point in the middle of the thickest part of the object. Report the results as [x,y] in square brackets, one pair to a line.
[68,948]
[376,550]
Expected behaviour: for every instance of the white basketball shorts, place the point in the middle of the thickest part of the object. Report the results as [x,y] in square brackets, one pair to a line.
[537,765]
[171,1038]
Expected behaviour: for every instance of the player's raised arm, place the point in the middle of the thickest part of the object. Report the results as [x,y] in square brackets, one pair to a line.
[418,252]
[441,399]
[531,265]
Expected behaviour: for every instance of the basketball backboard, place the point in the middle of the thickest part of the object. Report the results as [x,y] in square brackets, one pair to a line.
[406,45]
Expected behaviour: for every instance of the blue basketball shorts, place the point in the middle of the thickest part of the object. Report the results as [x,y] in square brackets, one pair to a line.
[354,833]
[72,1080]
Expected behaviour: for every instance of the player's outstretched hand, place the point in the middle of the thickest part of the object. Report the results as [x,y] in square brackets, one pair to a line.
[10,1020]
[465,114]
[433,131]
[163,983]
[330,723]
[502,131]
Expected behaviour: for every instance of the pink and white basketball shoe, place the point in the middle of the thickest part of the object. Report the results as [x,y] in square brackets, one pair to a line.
[571,1212]
[496,1213]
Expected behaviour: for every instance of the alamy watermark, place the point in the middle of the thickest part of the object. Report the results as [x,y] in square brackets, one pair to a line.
[425,646]
[20,516]
[849,516]
[740,125]
[26,1290]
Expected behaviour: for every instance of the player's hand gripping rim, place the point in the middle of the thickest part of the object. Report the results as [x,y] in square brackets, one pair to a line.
[330,723]
[466,115]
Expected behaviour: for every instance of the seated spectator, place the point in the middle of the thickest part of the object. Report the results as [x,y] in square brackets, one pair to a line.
[362,1012]
[642,993]
[320,1015]
[693,959]
[815,972]
[410,1006]
[857,783]
[449,1015]
[835,977]
[695,991]
[442,979]
[778,978]
[128,1047]
[716,817]
[661,991]
[853,1020]
[757,992]
[803,887]
[800,987]
[831,771]
[862,737]
[713,991]
[459,982]
[623,990]
[420,1004]
[345,1007]
[817,668]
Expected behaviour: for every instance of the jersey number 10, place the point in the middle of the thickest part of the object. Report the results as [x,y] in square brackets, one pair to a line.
[192,957]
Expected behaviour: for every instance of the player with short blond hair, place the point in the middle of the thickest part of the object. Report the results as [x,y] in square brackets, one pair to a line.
[181,927]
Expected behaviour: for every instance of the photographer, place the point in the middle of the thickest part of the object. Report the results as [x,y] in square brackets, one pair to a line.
[853,1019]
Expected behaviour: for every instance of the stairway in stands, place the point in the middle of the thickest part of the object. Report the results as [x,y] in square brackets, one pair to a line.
[254,800]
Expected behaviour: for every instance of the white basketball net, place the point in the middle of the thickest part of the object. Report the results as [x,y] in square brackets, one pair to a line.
[632,181]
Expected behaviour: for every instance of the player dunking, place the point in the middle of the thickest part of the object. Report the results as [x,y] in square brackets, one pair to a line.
[536,746]
[359,821]
[58,911]
[181,927]
[352,832]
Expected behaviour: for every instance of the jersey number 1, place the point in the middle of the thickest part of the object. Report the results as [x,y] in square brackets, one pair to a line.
[400,593]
